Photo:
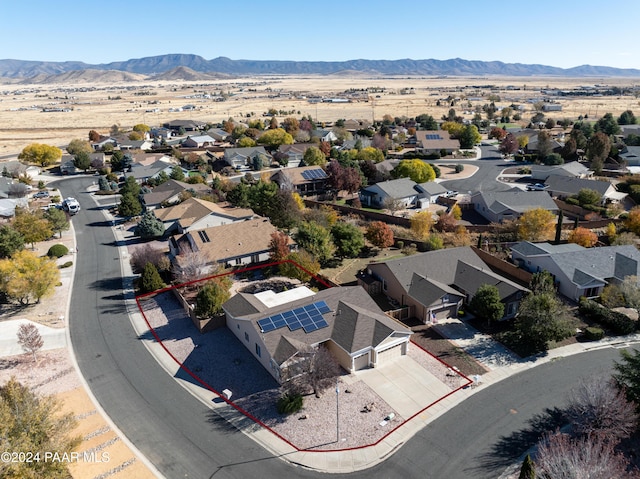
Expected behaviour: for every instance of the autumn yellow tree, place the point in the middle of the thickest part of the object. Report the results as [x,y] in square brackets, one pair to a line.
[32,226]
[421,224]
[583,236]
[633,220]
[40,154]
[25,276]
[536,225]
[456,212]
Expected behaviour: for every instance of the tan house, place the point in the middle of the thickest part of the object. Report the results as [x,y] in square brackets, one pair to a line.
[435,141]
[196,214]
[280,329]
[234,244]
[170,192]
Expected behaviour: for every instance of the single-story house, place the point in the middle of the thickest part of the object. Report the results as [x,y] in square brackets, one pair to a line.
[626,130]
[169,192]
[219,134]
[143,173]
[198,141]
[127,144]
[564,186]
[631,155]
[401,189]
[281,329]
[305,180]
[579,271]
[15,168]
[103,141]
[327,136]
[294,153]
[434,141]
[242,157]
[196,214]
[353,125]
[8,206]
[186,125]
[532,146]
[434,285]
[234,244]
[573,169]
[498,206]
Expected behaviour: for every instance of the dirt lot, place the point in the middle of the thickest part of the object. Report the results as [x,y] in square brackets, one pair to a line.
[99,106]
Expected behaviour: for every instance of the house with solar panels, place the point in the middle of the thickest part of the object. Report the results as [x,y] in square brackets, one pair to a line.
[435,141]
[305,180]
[280,328]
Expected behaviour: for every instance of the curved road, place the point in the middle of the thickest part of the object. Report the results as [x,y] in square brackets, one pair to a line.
[184,439]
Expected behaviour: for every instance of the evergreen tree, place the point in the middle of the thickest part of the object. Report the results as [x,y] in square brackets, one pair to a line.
[149,226]
[129,205]
[559,226]
[527,471]
[150,280]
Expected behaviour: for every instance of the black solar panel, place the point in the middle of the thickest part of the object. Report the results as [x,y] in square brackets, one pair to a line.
[315,174]
[308,317]
[433,137]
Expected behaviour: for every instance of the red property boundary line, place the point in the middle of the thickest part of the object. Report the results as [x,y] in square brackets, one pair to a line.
[247,414]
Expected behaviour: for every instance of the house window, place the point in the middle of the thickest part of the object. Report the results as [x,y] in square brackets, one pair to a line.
[255,258]
[384,285]
[591,292]
[511,309]
[238,261]
[246,336]
[258,350]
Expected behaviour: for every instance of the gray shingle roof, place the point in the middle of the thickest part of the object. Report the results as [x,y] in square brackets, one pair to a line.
[516,200]
[427,290]
[572,186]
[431,188]
[469,278]
[601,263]
[400,188]
[526,248]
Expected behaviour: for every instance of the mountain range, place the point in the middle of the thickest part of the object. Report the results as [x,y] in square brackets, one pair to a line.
[222,66]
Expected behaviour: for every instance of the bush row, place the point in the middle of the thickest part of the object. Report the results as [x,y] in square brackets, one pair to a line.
[616,322]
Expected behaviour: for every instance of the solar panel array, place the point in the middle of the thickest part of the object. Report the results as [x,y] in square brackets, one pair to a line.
[316,174]
[434,136]
[307,317]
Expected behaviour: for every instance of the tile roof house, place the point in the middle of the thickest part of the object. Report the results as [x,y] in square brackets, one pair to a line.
[565,186]
[579,271]
[233,244]
[498,206]
[434,141]
[305,180]
[280,332]
[196,214]
[169,192]
[573,169]
[435,284]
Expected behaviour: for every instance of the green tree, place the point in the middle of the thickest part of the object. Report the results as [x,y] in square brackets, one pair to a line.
[57,220]
[607,125]
[627,375]
[117,161]
[177,173]
[275,137]
[82,161]
[542,318]
[316,240]
[10,241]
[149,226]
[598,149]
[302,265]
[239,195]
[150,279]
[486,303]
[553,159]
[210,299]
[348,239]
[130,186]
[129,205]
[627,118]
[469,137]
[379,234]
[528,470]
[79,146]
[541,283]
[417,170]
[427,122]
[31,423]
[40,154]
[314,157]
[587,196]
[32,226]
[26,276]
[103,184]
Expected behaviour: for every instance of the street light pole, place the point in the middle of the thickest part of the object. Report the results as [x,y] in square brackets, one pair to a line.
[337,412]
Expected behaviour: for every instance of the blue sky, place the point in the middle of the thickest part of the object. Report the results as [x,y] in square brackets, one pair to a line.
[556,33]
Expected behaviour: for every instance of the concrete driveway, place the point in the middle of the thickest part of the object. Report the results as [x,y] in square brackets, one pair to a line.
[54,338]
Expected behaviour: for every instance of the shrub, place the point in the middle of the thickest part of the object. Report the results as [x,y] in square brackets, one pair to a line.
[289,403]
[66,265]
[459,168]
[57,251]
[399,244]
[618,323]
[593,334]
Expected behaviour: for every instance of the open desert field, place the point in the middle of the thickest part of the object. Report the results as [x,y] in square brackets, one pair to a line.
[81,107]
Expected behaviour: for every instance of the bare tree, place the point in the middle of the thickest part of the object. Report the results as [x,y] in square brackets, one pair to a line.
[191,265]
[392,204]
[29,339]
[598,409]
[559,457]
[148,254]
[312,369]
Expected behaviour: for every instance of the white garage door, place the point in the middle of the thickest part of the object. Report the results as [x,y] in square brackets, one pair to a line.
[388,355]
[361,362]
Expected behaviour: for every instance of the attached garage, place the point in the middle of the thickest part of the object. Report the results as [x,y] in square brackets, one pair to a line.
[387,355]
[442,313]
[361,362]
